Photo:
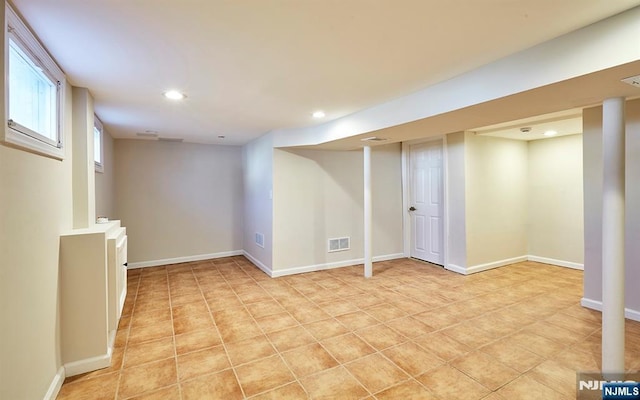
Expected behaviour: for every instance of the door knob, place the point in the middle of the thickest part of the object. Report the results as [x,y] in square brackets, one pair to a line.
[412,208]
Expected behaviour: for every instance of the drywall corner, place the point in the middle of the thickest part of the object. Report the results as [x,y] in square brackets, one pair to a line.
[257,159]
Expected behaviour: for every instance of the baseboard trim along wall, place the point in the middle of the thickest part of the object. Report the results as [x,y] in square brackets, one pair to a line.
[337,264]
[456,268]
[597,305]
[56,384]
[88,364]
[496,264]
[483,267]
[560,263]
[177,260]
[507,261]
[257,263]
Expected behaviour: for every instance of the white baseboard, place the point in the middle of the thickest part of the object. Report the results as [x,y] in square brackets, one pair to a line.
[597,305]
[559,263]
[495,264]
[55,386]
[507,261]
[456,268]
[112,338]
[387,257]
[257,263]
[263,267]
[337,264]
[88,364]
[199,257]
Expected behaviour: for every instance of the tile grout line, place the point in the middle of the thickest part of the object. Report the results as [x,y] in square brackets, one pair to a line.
[296,380]
[350,331]
[323,347]
[542,294]
[222,341]
[319,342]
[278,352]
[126,344]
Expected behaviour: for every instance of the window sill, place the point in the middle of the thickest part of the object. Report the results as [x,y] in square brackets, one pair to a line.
[25,142]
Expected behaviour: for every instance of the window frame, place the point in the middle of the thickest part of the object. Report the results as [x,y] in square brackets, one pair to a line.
[97,125]
[15,134]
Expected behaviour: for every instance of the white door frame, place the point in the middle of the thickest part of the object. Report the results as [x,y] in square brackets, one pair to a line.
[406,182]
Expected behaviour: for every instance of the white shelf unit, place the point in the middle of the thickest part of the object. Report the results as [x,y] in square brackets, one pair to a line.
[117,274]
[92,291]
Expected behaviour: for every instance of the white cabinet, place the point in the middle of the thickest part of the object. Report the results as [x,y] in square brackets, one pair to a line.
[92,291]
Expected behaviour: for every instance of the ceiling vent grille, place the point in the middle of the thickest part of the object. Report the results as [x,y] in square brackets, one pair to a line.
[633,81]
[147,135]
[175,140]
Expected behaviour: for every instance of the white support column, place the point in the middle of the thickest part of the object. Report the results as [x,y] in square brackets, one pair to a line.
[613,216]
[368,215]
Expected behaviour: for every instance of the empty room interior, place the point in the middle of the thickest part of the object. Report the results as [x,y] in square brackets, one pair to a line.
[319,200]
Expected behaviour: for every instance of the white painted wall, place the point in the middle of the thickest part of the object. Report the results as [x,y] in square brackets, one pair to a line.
[496,199]
[592,146]
[456,200]
[257,163]
[35,207]
[105,184]
[319,195]
[178,199]
[555,214]
[592,189]
[632,210]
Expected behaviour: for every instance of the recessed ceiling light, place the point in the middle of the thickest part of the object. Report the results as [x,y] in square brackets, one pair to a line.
[174,95]
[373,139]
[318,114]
[550,133]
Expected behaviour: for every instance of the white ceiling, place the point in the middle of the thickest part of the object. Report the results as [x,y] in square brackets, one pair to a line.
[252,66]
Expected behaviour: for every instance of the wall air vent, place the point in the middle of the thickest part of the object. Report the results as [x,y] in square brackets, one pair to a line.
[633,81]
[260,239]
[339,244]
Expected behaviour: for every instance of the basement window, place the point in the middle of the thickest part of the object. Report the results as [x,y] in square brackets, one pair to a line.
[98,153]
[33,92]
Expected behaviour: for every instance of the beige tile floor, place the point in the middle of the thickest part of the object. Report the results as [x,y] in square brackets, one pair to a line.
[222,329]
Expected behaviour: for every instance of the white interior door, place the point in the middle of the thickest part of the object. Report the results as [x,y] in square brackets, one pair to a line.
[426,202]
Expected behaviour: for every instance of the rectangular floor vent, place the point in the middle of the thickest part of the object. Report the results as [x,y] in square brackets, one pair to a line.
[339,244]
[260,239]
